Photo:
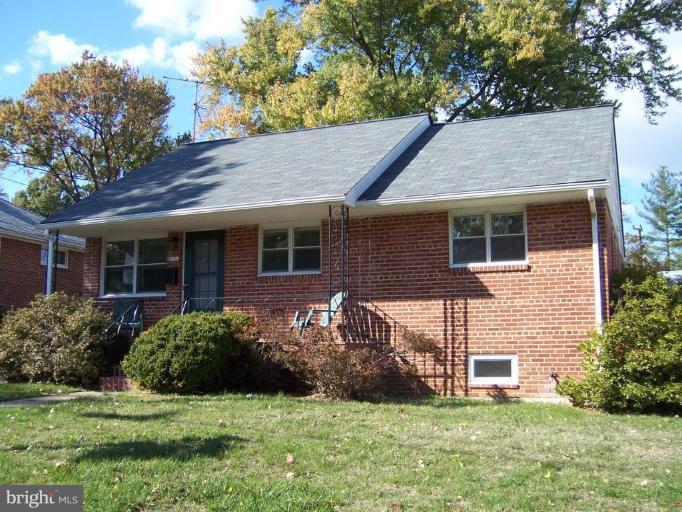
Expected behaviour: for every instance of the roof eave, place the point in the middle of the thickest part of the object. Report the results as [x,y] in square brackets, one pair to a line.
[117,219]
[39,239]
[567,187]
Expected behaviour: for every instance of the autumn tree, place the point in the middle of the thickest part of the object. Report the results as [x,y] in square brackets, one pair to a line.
[662,210]
[84,127]
[329,61]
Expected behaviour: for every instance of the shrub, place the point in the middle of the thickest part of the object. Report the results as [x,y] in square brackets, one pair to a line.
[58,338]
[335,370]
[630,273]
[635,364]
[188,353]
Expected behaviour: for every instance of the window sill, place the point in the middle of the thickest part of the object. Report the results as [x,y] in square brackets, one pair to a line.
[285,274]
[65,267]
[502,266]
[494,386]
[132,296]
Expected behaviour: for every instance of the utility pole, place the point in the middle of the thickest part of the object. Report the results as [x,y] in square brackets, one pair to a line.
[639,234]
[197,107]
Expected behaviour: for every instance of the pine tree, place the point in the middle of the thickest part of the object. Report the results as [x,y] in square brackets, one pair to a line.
[663,213]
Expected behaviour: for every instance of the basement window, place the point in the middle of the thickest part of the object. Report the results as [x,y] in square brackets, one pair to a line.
[493,369]
[491,237]
[134,267]
[290,250]
[61,258]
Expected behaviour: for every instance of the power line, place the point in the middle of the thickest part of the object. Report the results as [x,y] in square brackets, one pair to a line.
[14,181]
[197,107]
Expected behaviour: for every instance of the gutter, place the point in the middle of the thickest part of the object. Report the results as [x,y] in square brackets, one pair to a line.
[190,211]
[488,193]
[596,263]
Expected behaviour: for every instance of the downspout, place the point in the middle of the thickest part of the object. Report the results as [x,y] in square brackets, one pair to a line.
[49,264]
[596,260]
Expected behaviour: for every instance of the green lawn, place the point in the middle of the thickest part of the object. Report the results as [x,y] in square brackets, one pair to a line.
[9,391]
[238,452]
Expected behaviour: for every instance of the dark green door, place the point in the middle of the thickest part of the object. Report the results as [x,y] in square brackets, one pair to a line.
[204,251]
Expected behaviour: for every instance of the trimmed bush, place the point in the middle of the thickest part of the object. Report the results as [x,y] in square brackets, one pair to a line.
[57,338]
[635,364]
[191,353]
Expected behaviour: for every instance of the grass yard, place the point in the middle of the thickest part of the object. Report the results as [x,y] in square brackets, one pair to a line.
[10,391]
[275,453]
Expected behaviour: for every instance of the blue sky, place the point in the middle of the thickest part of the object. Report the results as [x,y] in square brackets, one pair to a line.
[161,36]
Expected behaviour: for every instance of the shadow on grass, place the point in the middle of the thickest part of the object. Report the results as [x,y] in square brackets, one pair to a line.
[129,417]
[183,449]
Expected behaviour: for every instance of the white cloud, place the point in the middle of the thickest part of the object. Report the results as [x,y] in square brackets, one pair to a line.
[199,19]
[59,48]
[159,54]
[182,56]
[12,68]
[629,210]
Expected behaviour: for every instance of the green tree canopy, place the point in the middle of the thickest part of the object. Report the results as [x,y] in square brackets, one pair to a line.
[366,59]
[43,196]
[85,126]
[662,210]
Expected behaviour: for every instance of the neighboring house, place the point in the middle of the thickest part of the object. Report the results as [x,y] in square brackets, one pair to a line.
[23,258]
[494,236]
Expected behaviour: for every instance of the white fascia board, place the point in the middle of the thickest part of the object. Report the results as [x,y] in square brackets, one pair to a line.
[366,181]
[40,240]
[135,217]
[488,193]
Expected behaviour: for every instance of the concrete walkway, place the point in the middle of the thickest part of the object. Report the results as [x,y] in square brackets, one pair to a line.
[37,401]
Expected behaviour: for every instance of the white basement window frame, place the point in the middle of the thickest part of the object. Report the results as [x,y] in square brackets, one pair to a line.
[61,257]
[487,216]
[475,372]
[288,247]
[134,265]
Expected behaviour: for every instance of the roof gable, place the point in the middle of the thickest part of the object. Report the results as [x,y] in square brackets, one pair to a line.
[510,152]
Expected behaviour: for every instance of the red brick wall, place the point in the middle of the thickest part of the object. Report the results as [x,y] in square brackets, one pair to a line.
[540,311]
[22,276]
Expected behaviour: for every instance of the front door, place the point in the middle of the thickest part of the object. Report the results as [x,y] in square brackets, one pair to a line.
[203,285]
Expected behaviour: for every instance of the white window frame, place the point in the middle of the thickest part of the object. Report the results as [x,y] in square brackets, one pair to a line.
[136,255]
[43,263]
[494,381]
[487,220]
[290,227]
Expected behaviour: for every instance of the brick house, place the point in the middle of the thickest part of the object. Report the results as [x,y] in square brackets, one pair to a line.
[495,236]
[23,258]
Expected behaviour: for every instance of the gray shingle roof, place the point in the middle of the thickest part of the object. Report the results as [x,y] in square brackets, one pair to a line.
[552,148]
[282,167]
[15,221]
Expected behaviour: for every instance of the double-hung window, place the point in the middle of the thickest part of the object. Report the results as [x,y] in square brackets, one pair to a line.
[134,266]
[488,237]
[290,250]
[61,258]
